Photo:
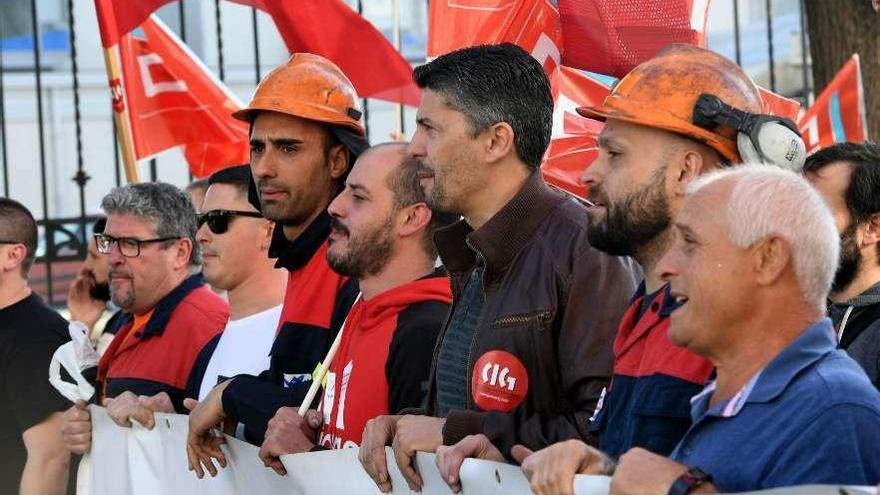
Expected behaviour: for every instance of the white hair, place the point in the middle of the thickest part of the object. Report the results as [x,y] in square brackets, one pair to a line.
[766,200]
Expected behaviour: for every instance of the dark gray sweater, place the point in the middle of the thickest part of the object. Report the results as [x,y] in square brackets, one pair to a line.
[857,323]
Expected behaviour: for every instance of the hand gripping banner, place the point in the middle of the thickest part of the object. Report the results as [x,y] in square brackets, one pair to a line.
[136,461]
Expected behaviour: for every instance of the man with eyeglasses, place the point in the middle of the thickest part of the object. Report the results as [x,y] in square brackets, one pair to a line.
[170,314]
[32,457]
[234,238]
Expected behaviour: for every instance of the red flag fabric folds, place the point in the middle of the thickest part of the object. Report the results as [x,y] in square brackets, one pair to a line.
[838,114]
[573,144]
[174,100]
[117,18]
[613,36]
[532,24]
[331,29]
[778,105]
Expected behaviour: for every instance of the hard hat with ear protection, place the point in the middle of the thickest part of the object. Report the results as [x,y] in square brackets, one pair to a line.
[663,93]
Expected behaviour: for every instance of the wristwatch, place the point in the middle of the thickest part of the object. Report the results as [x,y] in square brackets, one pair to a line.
[689,481]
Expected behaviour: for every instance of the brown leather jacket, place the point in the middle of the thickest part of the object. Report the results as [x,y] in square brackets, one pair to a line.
[553,302]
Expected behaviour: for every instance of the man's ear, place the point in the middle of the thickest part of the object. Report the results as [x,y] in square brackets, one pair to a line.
[871,233]
[338,161]
[13,258]
[499,141]
[265,233]
[772,257]
[413,219]
[689,166]
[182,253]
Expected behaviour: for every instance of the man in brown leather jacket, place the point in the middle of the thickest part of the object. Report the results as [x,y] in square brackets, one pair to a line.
[526,350]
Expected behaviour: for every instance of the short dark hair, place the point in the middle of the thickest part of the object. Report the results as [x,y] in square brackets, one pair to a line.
[863,193]
[404,185]
[496,83]
[17,224]
[238,176]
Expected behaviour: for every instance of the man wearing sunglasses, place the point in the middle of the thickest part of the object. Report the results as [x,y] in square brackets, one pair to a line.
[305,132]
[170,314]
[235,240]
[32,456]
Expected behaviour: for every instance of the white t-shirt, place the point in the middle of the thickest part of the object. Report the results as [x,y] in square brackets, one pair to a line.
[243,348]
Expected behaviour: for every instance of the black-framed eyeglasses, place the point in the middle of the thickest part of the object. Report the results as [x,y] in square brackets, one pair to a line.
[128,246]
[218,220]
[11,242]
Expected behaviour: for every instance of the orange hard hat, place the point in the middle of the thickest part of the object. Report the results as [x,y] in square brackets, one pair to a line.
[661,93]
[310,87]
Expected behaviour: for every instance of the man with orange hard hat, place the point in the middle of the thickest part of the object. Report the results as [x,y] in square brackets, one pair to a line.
[305,133]
[679,115]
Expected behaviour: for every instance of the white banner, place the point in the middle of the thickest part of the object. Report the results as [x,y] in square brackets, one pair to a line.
[136,461]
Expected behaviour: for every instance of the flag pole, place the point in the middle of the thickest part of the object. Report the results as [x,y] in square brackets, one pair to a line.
[395,29]
[324,366]
[120,113]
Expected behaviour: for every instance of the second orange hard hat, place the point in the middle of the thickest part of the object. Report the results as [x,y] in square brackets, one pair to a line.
[661,93]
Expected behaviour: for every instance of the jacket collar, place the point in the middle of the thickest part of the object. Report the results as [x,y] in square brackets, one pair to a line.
[668,304]
[504,235]
[292,255]
[166,306]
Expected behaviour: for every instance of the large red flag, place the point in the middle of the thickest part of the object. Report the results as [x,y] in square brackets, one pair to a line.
[838,114]
[613,36]
[531,24]
[331,29]
[174,100]
[117,18]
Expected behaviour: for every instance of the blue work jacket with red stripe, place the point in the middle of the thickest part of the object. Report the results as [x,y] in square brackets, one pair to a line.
[647,403]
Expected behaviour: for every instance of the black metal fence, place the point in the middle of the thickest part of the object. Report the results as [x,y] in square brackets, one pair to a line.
[63,240]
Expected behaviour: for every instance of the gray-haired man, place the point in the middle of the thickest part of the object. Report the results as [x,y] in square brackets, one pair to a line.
[170,314]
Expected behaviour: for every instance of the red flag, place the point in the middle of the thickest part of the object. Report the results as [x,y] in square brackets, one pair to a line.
[612,37]
[331,29]
[573,140]
[532,24]
[174,100]
[778,105]
[117,18]
[566,160]
[838,114]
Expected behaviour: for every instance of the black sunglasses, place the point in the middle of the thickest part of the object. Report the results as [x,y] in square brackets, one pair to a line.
[218,220]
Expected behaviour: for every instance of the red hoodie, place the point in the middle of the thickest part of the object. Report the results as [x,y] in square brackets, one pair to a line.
[384,358]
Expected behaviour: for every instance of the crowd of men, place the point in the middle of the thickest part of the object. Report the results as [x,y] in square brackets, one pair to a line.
[700,324]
